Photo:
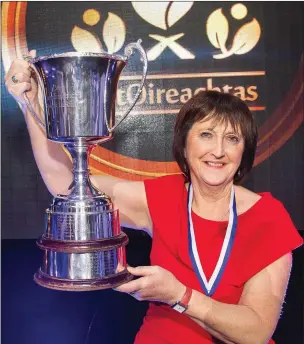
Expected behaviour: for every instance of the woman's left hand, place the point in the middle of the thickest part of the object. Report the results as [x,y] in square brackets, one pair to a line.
[155,284]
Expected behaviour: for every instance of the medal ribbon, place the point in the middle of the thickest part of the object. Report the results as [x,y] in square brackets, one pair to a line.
[210,286]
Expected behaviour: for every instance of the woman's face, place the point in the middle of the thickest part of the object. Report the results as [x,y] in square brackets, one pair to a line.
[213,152]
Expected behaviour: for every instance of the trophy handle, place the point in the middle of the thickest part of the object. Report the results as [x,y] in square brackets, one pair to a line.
[27,102]
[129,50]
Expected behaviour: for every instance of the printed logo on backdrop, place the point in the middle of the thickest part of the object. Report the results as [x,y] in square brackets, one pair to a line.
[158,99]
[190,47]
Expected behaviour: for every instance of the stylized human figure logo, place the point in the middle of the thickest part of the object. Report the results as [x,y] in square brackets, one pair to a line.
[164,15]
[218,31]
[113,33]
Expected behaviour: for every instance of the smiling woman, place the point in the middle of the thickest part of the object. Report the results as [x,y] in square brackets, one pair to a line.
[220,253]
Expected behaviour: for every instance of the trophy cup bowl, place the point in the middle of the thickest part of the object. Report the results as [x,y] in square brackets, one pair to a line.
[84,247]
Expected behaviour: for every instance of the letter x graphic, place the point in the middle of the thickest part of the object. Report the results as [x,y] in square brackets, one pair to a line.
[171,43]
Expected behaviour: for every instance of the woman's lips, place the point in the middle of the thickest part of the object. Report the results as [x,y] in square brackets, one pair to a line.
[215,164]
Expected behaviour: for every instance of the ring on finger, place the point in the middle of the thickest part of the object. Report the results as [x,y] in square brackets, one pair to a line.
[27,57]
[14,79]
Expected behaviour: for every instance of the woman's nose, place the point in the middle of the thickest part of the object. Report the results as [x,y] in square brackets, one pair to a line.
[218,149]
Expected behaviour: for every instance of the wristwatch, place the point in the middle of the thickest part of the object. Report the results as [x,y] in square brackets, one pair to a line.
[182,305]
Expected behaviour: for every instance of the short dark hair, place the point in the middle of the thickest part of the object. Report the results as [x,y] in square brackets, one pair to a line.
[223,108]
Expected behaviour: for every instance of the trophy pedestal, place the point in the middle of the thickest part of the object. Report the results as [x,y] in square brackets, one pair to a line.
[82,285]
[83,265]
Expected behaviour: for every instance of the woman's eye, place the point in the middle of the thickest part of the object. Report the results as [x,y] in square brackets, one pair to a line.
[233,139]
[206,134]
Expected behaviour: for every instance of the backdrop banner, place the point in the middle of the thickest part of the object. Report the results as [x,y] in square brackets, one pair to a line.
[253,50]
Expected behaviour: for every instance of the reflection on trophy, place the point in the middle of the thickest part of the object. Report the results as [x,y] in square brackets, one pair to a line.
[84,248]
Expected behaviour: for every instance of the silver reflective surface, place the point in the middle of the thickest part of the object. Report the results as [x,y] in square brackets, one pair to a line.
[79,96]
[81,265]
[81,225]
[77,54]
[79,91]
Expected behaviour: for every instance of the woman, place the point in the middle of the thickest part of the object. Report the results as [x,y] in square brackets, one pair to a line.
[221,254]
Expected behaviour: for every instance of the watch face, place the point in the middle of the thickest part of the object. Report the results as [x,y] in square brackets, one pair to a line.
[179,307]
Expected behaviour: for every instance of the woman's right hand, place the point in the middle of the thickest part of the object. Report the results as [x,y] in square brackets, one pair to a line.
[21,71]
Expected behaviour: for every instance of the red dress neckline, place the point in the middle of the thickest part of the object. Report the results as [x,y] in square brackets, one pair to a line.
[254,208]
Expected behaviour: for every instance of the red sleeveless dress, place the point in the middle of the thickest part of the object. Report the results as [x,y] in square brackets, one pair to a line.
[264,233]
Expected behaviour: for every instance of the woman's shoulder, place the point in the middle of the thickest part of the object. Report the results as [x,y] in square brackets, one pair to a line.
[265,233]
[263,204]
[165,190]
[164,195]
[168,182]
[245,199]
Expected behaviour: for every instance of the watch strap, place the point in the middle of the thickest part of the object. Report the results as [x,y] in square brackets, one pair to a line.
[187,296]
[182,305]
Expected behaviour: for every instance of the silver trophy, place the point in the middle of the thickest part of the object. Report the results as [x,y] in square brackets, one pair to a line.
[84,248]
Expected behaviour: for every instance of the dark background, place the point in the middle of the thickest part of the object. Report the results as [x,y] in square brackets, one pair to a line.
[31,314]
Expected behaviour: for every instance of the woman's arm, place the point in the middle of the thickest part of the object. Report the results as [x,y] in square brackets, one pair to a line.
[255,317]
[251,321]
[129,197]
[53,163]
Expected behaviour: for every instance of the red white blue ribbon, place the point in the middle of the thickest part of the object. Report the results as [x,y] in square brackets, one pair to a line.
[210,286]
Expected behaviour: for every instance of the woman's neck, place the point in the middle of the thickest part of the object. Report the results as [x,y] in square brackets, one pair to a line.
[211,202]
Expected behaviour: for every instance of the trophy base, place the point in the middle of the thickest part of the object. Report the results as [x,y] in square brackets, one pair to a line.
[108,282]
